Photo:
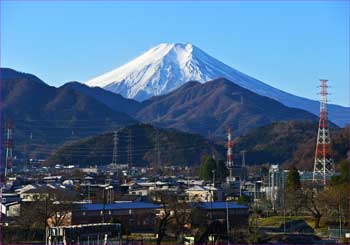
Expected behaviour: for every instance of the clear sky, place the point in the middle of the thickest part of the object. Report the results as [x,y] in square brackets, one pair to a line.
[289,45]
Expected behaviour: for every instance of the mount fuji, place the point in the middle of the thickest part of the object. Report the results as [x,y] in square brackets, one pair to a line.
[166,67]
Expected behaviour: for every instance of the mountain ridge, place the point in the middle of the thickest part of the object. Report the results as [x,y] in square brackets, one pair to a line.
[168,66]
[114,101]
[209,108]
[44,116]
[8,73]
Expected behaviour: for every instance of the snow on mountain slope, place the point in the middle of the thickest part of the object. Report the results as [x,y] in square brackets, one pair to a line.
[165,68]
[168,66]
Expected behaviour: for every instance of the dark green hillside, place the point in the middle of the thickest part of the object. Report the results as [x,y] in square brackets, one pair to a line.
[44,116]
[176,148]
[290,143]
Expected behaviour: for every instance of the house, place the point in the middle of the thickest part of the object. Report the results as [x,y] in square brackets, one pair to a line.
[198,194]
[52,179]
[126,188]
[204,194]
[238,215]
[84,234]
[253,189]
[10,204]
[91,191]
[38,192]
[11,209]
[141,191]
[130,198]
[134,216]
[8,197]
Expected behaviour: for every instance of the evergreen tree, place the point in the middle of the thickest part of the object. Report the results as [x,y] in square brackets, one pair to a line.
[293,197]
[293,180]
[221,170]
[344,176]
[208,164]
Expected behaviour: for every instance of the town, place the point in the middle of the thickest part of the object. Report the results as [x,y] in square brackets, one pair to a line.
[174,122]
[219,202]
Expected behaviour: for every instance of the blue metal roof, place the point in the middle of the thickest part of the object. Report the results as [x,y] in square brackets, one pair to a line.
[219,205]
[119,206]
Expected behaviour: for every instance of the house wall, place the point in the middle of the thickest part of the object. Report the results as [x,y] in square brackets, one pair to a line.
[14,210]
[134,220]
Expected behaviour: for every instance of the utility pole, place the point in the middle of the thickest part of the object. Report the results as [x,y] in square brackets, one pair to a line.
[340,219]
[130,146]
[284,205]
[89,198]
[104,205]
[213,172]
[9,148]
[243,159]
[229,162]
[157,143]
[157,146]
[115,152]
[211,219]
[244,169]
[227,224]
[115,148]
[1,228]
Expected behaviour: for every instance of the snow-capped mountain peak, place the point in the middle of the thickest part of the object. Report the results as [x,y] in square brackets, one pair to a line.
[159,70]
[168,66]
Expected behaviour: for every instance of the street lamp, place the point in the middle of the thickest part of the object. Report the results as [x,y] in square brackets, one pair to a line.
[213,172]
[211,216]
[106,188]
[227,224]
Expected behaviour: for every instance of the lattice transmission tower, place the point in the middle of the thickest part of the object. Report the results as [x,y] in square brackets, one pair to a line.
[323,165]
[9,151]
[229,162]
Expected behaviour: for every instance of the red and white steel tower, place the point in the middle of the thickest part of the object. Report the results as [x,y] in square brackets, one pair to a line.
[229,162]
[9,145]
[323,165]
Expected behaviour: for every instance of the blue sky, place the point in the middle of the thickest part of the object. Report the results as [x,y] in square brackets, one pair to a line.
[289,45]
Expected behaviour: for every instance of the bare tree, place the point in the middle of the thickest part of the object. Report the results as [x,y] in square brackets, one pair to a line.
[175,215]
[166,215]
[313,203]
[52,210]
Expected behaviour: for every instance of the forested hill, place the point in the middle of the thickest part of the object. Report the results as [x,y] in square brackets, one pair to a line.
[175,148]
[289,143]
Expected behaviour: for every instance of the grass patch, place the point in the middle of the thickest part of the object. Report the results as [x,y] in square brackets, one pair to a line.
[277,221]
